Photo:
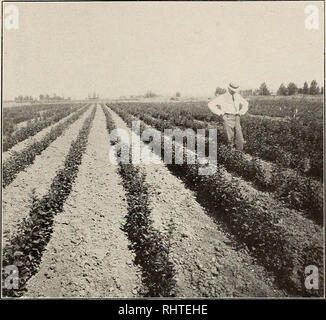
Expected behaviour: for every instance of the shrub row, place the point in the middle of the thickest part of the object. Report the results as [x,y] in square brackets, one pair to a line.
[19,114]
[295,191]
[26,248]
[285,107]
[31,129]
[284,250]
[150,246]
[20,160]
[296,144]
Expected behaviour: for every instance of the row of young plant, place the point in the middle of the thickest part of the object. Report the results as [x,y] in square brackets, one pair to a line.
[285,144]
[296,144]
[307,108]
[280,240]
[286,107]
[294,190]
[21,160]
[26,248]
[52,116]
[11,116]
[150,246]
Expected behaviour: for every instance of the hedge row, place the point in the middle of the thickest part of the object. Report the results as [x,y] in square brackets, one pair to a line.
[33,128]
[26,248]
[150,246]
[21,160]
[284,250]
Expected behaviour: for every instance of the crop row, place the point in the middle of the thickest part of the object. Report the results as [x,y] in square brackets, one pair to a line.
[295,191]
[278,238]
[149,245]
[260,141]
[26,248]
[20,160]
[296,144]
[14,115]
[285,107]
[49,118]
[286,144]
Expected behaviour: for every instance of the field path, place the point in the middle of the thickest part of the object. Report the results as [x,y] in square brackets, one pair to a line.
[88,253]
[16,197]
[206,260]
[37,137]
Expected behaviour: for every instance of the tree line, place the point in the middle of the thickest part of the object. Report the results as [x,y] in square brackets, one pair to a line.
[291,89]
[42,97]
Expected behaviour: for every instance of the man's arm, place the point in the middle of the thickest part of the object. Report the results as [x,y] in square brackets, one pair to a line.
[212,105]
[244,106]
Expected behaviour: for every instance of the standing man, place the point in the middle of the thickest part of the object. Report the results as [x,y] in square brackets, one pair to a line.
[231,105]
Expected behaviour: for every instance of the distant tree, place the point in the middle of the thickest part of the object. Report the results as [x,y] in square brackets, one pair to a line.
[282,90]
[292,89]
[263,90]
[313,87]
[219,91]
[305,89]
[178,94]
[300,90]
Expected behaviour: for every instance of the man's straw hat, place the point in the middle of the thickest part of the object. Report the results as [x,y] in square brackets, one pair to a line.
[233,87]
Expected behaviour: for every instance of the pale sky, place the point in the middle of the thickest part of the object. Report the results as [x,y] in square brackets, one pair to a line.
[129,48]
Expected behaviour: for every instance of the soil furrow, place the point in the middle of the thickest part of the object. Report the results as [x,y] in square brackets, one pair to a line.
[280,239]
[94,260]
[151,247]
[295,190]
[35,180]
[25,250]
[21,160]
[27,142]
[206,260]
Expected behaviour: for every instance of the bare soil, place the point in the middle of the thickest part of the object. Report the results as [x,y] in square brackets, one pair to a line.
[16,197]
[88,253]
[206,260]
[27,142]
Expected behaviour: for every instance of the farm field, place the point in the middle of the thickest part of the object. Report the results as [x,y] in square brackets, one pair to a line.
[26,121]
[77,224]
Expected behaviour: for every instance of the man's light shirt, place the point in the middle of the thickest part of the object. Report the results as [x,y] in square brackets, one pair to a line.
[225,104]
